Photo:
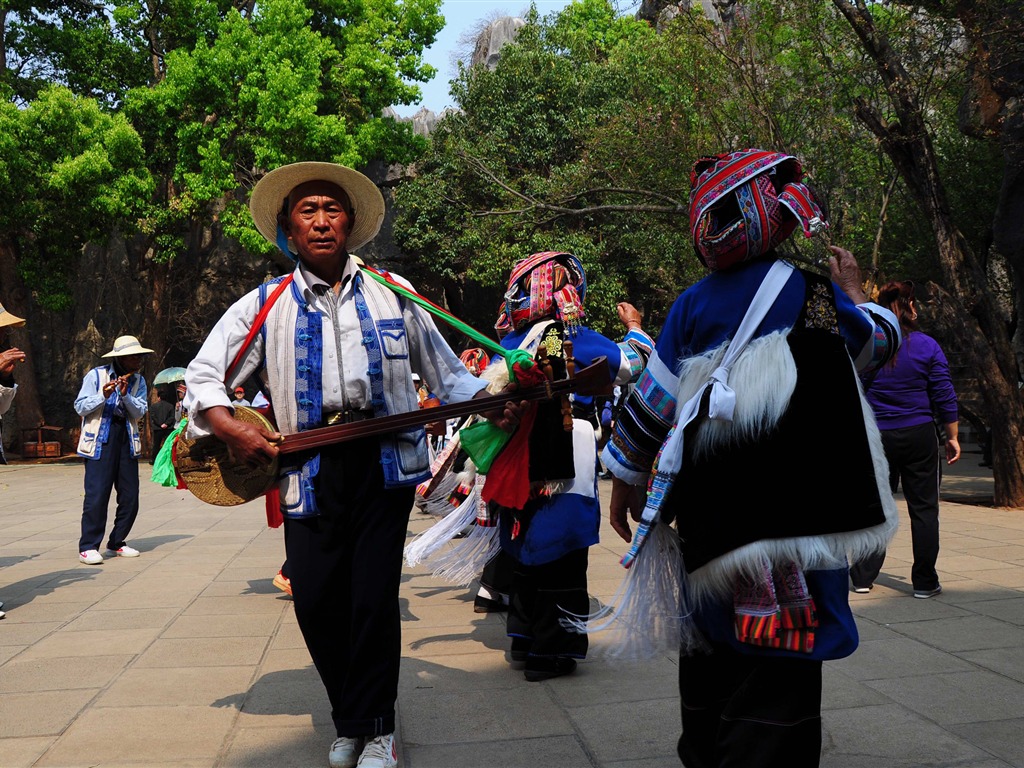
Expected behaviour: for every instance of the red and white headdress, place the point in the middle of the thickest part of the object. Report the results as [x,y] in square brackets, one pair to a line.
[743,204]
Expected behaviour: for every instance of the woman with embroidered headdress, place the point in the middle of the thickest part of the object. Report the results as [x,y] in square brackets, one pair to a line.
[549,536]
[539,510]
[748,430]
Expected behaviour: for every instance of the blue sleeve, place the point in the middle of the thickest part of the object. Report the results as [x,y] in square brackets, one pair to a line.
[90,397]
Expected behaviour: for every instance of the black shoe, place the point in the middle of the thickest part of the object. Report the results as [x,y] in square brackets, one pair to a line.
[546,667]
[483,604]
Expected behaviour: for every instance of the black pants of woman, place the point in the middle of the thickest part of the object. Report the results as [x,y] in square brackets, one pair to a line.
[742,711]
[913,454]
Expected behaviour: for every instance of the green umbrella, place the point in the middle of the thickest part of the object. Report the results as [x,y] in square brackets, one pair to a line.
[169,376]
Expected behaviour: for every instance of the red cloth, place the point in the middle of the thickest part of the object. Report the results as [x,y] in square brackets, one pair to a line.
[273,498]
[508,481]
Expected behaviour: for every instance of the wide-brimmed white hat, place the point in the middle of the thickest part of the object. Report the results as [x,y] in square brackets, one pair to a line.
[7,319]
[127,345]
[269,194]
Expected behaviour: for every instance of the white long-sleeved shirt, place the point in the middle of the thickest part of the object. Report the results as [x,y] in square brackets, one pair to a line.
[345,381]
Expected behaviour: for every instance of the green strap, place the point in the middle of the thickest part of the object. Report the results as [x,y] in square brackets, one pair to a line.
[511,356]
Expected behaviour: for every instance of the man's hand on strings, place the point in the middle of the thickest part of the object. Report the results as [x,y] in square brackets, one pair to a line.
[247,443]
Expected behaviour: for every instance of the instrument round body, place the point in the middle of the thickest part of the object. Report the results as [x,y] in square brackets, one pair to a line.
[213,476]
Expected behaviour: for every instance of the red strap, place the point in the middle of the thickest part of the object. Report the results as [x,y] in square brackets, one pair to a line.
[257,324]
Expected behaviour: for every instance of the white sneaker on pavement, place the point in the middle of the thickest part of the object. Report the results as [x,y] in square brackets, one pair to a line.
[90,557]
[124,551]
[344,752]
[379,752]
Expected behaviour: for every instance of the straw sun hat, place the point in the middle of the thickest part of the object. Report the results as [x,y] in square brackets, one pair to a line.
[127,345]
[7,319]
[269,194]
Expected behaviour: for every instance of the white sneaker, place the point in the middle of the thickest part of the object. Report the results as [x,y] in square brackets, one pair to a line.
[124,551]
[2,614]
[379,752]
[344,752]
[90,557]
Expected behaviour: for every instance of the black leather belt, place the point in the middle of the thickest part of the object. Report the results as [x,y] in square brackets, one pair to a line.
[345,417]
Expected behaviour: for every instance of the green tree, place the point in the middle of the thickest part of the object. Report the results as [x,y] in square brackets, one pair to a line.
[212,94]
[68,171]
[509,173]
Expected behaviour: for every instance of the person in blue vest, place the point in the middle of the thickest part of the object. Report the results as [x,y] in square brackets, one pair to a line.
[111,401]
[336,347]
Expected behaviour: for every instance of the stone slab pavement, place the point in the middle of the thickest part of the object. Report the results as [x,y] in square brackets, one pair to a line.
[188,656]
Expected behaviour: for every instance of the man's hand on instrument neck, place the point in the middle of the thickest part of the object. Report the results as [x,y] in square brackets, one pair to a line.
[247,443]
[509,416]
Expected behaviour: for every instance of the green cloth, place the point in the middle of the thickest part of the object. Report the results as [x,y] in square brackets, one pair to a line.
[163,467]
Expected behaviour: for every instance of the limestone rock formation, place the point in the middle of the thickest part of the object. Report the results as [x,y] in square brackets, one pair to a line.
[497,33]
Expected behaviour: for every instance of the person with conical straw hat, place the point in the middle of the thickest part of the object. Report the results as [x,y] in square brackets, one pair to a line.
[112,399]
[336,346]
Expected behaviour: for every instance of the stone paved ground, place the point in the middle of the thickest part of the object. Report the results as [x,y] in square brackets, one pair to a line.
[188,656]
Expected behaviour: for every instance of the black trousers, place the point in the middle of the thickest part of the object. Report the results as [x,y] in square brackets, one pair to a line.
[743,711]
[115,470]
[543,594]
[498,573]
[913,455]
[345,568]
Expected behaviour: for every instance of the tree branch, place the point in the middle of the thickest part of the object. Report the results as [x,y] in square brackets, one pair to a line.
[532,203]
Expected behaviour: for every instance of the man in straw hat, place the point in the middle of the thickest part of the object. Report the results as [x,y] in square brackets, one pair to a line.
[335,347]
[111,401]
[9,359]
[765,456]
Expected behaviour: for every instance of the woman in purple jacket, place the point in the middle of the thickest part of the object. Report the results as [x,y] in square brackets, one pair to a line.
[908,396]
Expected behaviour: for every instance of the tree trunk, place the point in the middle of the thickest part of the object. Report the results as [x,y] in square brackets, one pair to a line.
[968,311]
[1003,410]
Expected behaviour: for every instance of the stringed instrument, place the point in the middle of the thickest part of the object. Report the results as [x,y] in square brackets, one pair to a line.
[211,473]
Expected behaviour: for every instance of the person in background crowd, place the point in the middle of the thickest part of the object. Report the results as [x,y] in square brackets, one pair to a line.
[161,421]
[179,405]
[239,398]
[111,401]
[907,396]
[10,358]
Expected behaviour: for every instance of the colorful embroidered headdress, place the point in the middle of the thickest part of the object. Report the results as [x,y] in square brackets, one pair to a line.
[547,284]
[475,359]
[743,204]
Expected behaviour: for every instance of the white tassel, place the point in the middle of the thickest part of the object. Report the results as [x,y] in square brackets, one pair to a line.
[648,615]
[441,532]
[464,562]
[437,503]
